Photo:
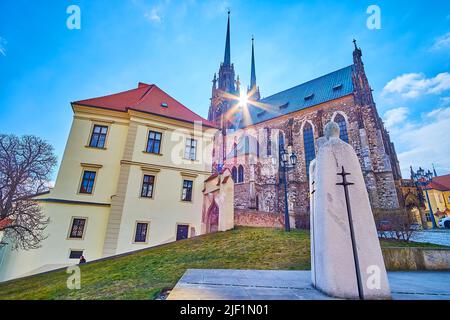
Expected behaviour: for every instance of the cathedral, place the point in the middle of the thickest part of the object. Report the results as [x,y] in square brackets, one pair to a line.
[254,131]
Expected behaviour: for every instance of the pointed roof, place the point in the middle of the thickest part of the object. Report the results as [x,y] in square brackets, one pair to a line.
[147,98]
[328,87]
[227,57]
[253,69]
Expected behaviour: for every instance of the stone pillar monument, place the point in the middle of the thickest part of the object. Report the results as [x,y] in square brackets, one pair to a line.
[346,258]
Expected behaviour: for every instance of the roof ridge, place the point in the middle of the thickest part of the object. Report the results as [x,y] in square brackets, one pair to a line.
[181,104]
[303,83]
[110,95]
[150,87]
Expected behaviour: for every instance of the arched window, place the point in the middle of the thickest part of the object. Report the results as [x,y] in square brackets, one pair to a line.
[280,141]
[234,174]
[340,120]
[257,148]
[235,150]
[269,142]
[241,174]
[246,145]
[308,142]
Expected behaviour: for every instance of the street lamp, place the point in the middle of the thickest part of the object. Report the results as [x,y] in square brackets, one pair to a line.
[422,179]
[287,162]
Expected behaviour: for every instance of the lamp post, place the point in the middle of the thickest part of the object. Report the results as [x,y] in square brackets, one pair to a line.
[422,179]
[287,162]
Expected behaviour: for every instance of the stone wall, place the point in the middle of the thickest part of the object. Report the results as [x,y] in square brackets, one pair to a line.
[367,140]
[400,258]
[249,218]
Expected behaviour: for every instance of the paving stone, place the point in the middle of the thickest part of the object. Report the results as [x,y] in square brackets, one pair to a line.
[199,284]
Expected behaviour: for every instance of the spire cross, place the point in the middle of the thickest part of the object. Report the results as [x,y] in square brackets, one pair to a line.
[345,184]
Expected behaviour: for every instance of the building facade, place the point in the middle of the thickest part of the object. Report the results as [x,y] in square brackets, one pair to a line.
[254,130]
[132,176]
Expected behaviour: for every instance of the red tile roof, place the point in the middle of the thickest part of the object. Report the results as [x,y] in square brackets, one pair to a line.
[441,183]
[146,98]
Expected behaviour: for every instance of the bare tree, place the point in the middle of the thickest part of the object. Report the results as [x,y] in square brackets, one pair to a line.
[395,223]
[26,164]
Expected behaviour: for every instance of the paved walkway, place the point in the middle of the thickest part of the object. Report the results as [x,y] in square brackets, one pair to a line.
[221,284]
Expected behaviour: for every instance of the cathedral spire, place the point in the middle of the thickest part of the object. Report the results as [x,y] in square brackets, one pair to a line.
[253,71]
[227,57]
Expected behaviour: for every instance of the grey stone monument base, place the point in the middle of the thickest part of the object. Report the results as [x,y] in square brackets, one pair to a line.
[223,284]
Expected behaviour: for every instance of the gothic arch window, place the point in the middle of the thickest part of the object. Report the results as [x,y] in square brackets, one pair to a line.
[280,141]
[246,145]
[234,174]
[257,148]
[241,174]
[269,142]
[308,142]
[343,133]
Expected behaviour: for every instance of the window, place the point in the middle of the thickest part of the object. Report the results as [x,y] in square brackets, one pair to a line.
[187,190]
[269,142]
[190,149]
[77,228]
[241,174]
[234,174]
[257,148]
[147,186]
[235,151]
[340,120]
[154,142]
[280,141]
[87,183]
[98,136]
[75,254]
[309,97]
[246,145]
[308,141]
[141,232]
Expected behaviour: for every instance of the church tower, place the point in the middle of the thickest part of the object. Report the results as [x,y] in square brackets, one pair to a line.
[223,87]
[253,89]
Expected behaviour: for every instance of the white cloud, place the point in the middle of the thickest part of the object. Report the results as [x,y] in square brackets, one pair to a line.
[395,116]
[154,15]
[2,46]
[421,143]
[442,42]
[412,85]
[444,102]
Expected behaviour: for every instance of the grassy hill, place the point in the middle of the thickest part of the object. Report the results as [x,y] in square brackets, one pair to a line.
[144,274]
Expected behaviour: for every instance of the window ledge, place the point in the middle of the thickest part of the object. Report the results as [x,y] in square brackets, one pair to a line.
[96,148]
[155,154]
[146,198]
[186,201]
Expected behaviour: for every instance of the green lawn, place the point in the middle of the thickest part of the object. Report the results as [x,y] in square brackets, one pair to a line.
[144,274]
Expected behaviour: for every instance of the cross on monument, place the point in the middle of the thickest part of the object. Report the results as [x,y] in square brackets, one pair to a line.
[345,184]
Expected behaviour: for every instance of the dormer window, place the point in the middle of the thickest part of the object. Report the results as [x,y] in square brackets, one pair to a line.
[164,105]
[309,97]
[337,87]
[284,106]
[260,114]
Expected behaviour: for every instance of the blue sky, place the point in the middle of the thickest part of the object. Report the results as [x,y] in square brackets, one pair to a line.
[179,45]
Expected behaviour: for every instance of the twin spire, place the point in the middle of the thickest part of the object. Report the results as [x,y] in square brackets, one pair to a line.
[227,55]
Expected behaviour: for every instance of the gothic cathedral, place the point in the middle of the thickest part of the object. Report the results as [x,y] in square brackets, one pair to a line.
[252,134]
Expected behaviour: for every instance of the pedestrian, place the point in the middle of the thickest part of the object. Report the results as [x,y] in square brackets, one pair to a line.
[82,260]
